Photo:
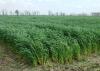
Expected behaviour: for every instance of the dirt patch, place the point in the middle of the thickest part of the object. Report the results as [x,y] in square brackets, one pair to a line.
[7,60]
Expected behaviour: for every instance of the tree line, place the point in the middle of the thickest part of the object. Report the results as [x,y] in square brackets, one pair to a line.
[18,13]
[26,12]
[50,13]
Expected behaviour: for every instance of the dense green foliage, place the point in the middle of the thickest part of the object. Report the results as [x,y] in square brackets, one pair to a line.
[58,39]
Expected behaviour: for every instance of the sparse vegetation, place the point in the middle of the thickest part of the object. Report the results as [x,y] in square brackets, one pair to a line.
[43,39]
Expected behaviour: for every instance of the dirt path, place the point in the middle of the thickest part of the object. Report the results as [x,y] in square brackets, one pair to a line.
[7,60]
[8,63]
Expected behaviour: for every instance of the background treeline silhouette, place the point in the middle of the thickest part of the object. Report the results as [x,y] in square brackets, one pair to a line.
[50,13]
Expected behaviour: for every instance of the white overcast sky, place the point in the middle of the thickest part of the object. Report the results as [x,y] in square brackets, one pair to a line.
[68,6]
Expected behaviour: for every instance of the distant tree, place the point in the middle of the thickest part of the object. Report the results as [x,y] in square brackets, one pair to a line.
[3,12]
[57,13]
[95,14]
[17,12]
[10,13]
[50,13]
[27,13]
[37,12]
[62,14]
[33,13]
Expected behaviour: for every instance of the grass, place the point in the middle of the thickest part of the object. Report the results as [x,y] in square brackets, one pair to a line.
[58,39]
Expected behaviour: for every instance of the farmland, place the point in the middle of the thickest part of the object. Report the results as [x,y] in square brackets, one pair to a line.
[44,39]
